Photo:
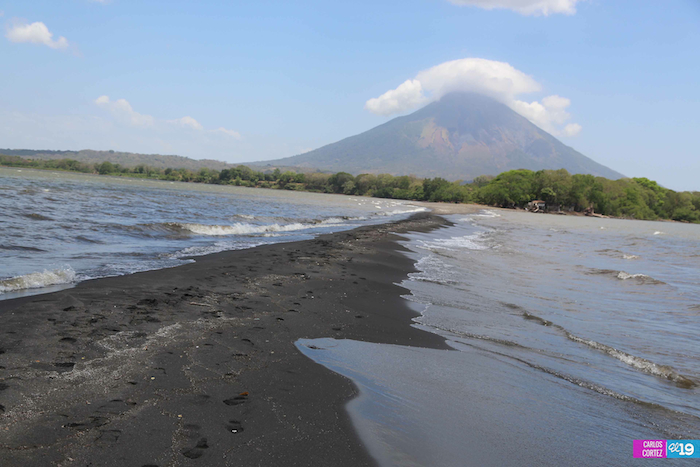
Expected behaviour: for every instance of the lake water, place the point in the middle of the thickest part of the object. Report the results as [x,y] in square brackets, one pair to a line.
[59,228]
[572,336]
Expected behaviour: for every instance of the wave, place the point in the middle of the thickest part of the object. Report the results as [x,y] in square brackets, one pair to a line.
[576,381]
[486,213]
[481,337]
[19,248]
[37,217]
[624,276]
[237,228]
[639,363]
[433,269]
[468,242]
[608,251]
[617,254]
[642,278]
[398,211]
[84,239]
[37,280]
[537,319]
[210,249]
[588,385]
[571,379]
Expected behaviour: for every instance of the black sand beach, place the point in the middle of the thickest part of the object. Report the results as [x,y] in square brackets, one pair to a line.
[196,365]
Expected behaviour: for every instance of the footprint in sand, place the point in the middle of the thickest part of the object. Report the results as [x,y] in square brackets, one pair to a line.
[197,451]
[237,400]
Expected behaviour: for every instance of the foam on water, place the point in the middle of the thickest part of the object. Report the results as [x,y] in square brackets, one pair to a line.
[433,269]
[210,249]
[36,280]
[643,279]
[239,228]
[622,275]
[404,210]
[486,213]
[477,241]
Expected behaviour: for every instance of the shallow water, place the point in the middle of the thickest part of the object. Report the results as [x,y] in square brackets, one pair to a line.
[58,228]
[576,335]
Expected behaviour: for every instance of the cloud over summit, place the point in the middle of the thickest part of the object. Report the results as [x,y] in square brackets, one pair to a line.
[496,79]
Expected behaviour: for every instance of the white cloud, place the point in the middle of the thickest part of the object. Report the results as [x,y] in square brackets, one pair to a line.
[407,96]
[35,33]
[525,7]
[496,79]
[188,122]
[572,129]
[232,133]
[549,115]
[123,111]
[499,80]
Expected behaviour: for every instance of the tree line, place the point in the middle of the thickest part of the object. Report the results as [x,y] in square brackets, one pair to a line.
[636,198]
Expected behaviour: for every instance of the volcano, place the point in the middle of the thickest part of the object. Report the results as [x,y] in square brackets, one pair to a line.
[459,137]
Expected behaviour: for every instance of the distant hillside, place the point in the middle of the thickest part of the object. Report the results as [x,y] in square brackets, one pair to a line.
[461,136]
[126,159]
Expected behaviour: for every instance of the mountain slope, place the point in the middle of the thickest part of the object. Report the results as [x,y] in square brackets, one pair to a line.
[126,159]
[459,137]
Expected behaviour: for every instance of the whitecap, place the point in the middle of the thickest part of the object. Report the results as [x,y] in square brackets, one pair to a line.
[639,363]
[37,280]
[486,213]
[244,228]
[475,241]
[643,278]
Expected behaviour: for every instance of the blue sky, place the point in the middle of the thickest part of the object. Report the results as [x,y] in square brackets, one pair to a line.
[244,81]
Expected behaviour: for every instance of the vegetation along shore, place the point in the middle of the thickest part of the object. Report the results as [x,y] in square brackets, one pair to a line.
[634,198]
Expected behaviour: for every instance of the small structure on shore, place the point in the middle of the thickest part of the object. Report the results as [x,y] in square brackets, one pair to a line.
[591,213]
[536,206]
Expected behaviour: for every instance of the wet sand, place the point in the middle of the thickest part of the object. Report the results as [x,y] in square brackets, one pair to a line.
[196,365]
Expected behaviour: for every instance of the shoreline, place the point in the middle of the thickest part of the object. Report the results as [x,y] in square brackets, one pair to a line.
[438,207]
[197,363]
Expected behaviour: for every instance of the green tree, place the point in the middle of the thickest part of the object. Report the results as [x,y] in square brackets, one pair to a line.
[105,168]
[337,181]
